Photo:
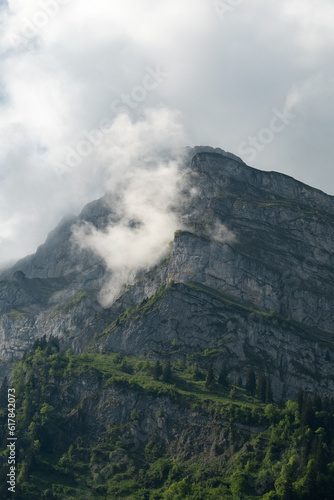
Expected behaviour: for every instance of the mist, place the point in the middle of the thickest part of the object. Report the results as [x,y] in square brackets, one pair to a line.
[143,186]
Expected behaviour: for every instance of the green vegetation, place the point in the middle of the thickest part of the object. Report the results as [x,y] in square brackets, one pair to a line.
[205,438]
[276,203]
[134,313]
[15,314]
[64,308]
[180,232]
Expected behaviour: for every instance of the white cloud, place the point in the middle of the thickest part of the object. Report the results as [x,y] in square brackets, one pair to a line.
[143,188]
[313,22]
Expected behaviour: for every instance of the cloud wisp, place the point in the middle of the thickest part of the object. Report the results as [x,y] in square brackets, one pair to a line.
[143,199]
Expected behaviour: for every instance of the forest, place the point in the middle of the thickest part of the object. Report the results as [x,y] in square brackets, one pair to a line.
[266,449]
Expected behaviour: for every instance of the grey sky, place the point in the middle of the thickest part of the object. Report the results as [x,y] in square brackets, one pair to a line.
[225,70]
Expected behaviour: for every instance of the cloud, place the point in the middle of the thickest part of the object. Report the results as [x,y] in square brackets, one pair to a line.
[220,233]
[63,69]
[313,23]
[143,189]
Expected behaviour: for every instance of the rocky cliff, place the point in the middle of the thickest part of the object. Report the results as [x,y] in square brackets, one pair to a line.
[249,279]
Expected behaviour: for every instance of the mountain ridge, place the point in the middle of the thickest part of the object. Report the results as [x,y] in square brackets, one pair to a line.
[261,239]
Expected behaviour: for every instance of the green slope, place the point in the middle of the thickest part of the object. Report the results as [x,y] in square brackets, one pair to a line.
[107,426]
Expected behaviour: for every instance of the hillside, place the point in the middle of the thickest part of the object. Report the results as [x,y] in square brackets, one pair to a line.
[111,426]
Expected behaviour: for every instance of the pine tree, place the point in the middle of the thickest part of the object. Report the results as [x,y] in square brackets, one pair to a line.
[288,493]
[239,381]
[210,377]
[326,405]
[41,342]
[319,455]
[317,404]
[310,482]
[307,414]
[223,379]
[157,372]
[167,373]
[52,345]
[4,393]
[269,394]
[251,381]
[300,397]
[197,374]
[261,387]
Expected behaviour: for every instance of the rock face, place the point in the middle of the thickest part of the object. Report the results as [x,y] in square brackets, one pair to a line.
[249,278]
[282,256]
[156,418]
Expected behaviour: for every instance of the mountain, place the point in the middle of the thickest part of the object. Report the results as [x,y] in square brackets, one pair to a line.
[249,277]
[209,376]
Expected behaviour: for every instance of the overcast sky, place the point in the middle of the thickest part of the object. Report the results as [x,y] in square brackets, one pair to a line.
[253,77]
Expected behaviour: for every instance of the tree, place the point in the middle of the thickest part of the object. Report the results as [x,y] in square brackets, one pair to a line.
[197,373]
[307,486]
[157,372]
[307,415]
[319,451]
[47,412]
[167,373]
[210,377]
[326,405]
[223,378]
[179,490]
[52,345]
[261,387]
[284,483]
[238,484]
[4,393]
[317,404]
[251,381]
[232,393]
[300,397]
[269,394]
[41,342]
